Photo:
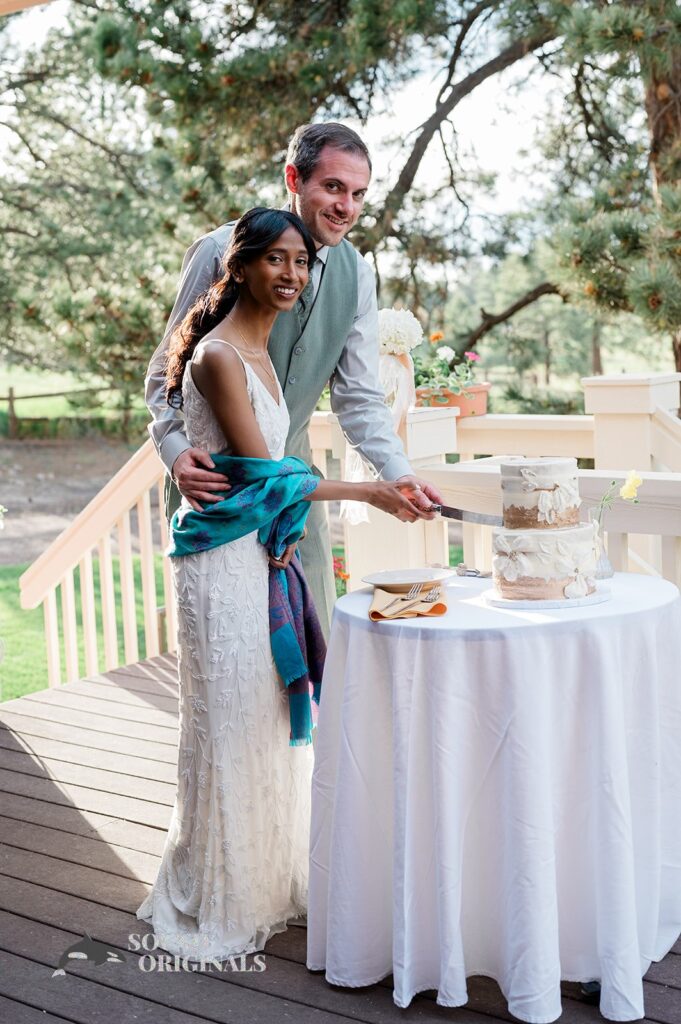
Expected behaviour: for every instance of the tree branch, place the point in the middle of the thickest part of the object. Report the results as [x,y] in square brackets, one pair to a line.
[116,158]
[465,26]
[34,155]
[490,320]
[513,53]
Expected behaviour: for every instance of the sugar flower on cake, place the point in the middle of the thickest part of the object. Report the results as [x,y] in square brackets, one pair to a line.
[511,558]
[398,331]
[583,582]
[557,555]
[551,502]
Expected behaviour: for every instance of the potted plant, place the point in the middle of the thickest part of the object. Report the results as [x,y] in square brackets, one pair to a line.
[445,380]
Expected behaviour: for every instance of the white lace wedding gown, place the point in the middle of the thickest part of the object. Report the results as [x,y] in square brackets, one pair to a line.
[235,862]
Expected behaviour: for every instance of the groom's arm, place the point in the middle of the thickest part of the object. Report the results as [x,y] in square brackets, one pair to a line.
[357,397]
[201,266]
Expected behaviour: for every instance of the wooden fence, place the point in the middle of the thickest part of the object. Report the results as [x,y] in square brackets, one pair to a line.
[11,398]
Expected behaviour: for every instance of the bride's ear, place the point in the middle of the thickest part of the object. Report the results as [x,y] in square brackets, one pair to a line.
[237,273]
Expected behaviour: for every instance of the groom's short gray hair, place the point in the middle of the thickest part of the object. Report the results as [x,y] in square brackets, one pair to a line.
[309,140]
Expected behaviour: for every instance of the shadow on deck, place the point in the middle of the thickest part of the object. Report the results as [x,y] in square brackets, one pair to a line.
[87,782]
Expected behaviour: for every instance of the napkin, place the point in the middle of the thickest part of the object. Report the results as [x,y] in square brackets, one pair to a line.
[404,609]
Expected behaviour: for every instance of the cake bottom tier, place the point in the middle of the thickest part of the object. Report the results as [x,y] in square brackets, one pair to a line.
[544,564]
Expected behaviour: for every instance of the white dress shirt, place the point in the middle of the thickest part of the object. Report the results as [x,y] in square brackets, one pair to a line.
[356,395]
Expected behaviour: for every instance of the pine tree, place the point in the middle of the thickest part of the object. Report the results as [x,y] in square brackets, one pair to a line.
[620,246]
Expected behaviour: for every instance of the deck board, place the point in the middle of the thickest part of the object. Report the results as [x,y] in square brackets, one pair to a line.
[106,780]
[42,747]
[87,783]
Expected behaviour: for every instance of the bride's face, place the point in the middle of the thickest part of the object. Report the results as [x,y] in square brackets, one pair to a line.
[277,277]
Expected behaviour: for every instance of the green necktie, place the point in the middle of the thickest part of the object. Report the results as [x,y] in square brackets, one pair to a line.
[305,302]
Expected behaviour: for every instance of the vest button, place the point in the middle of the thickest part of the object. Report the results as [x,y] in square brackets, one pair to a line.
[298,349]
[292,380]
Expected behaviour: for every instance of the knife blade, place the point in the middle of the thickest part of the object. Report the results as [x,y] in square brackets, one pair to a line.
[467,517]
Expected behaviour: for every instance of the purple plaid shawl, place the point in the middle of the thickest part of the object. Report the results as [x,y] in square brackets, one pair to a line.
[298,645]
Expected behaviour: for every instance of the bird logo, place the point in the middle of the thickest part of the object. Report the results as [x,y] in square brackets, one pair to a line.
[90,950]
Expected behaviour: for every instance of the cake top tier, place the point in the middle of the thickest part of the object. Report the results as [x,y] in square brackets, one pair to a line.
[544,472]
[540,492]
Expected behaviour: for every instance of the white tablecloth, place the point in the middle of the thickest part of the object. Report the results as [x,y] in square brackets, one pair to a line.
[497,792]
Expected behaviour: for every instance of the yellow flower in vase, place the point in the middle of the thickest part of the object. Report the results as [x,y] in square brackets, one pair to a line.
[629,488]
[628,492]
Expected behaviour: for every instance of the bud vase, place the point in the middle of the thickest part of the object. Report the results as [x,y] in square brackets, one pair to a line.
[604,570]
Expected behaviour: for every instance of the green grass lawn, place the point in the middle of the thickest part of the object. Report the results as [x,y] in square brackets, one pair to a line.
[24,666]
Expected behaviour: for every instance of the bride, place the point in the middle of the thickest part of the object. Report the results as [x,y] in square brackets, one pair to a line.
[235,863]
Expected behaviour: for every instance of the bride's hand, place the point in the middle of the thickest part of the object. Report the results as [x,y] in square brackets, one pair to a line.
[281,563]
[394,499]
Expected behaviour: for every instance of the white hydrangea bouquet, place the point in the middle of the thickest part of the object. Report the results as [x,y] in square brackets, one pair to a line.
[398,333]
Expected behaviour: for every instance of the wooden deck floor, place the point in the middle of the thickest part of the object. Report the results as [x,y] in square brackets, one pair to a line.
[87,780]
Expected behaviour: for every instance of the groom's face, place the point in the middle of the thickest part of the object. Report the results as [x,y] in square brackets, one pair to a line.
[331,200]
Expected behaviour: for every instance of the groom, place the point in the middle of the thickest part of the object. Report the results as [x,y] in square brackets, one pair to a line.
[331,336]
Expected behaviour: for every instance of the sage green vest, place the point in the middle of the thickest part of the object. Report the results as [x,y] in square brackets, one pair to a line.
[304,361]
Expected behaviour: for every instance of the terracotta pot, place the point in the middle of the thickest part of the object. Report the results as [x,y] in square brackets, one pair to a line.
[473,405]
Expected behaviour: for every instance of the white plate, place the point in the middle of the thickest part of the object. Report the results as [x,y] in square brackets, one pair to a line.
[601,594]
[398,581]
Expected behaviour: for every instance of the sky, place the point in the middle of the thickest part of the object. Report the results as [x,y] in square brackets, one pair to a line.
[497,129]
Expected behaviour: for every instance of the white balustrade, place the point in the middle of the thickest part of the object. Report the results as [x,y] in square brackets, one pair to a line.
[101,548]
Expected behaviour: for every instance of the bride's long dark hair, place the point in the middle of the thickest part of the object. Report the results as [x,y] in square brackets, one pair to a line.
[253,234]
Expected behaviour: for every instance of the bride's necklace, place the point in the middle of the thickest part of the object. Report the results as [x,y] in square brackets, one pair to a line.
[258,355]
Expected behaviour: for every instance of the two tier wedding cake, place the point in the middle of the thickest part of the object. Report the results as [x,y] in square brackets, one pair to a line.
[542,552]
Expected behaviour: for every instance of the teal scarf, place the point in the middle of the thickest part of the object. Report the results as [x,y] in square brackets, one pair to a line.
[265,495]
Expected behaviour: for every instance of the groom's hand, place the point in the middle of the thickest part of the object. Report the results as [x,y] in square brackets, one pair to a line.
[195,480]
[421,493]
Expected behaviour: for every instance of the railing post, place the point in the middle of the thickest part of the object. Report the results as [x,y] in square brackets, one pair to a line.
[623,406]
[386,543]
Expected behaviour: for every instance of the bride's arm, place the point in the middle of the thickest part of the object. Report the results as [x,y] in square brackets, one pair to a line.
[219,374]
[220,377]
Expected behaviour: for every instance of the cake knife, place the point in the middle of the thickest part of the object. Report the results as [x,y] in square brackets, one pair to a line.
[466,517]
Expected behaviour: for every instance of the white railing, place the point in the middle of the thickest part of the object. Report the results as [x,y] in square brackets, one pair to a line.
[631,423]
[117,538]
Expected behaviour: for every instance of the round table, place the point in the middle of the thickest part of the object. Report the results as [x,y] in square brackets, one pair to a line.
[496,792]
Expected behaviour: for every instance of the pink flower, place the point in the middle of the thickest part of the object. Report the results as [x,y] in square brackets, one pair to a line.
[473,356]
